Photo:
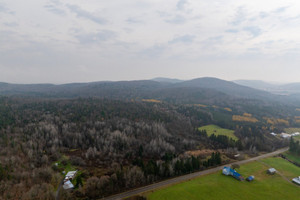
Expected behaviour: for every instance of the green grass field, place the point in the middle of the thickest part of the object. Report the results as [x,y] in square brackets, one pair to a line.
[292,157]
[218,186]
[214,129]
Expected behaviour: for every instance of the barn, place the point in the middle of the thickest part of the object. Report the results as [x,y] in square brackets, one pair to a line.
[231,172]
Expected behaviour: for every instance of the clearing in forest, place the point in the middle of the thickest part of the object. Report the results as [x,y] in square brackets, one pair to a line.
[214,129]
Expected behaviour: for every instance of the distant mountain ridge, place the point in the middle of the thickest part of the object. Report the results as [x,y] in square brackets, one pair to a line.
[282,89]
[167,80]
[200,90]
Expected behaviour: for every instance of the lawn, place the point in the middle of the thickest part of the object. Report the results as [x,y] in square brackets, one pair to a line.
[214,129]
[218,186]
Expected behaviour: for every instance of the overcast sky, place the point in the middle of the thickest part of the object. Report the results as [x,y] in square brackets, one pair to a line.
[61,41]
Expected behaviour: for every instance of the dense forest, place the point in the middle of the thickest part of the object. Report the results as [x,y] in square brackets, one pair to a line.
[114,144]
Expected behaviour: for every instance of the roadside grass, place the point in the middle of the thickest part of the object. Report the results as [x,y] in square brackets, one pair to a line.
[218,186]
[214,129]
[292,157]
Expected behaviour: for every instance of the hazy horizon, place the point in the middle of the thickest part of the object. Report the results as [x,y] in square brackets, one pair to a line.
[270,82]
[55,41]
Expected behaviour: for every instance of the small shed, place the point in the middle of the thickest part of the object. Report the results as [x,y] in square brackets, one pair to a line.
[250,178]
[271,171]
[68,185]
[296,180]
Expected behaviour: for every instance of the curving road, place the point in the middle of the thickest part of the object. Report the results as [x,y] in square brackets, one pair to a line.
[186,177]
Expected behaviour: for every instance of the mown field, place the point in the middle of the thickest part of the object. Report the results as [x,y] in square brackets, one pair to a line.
[214,129]
[218,186]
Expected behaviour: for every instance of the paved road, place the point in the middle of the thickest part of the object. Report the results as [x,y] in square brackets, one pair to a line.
[186,177]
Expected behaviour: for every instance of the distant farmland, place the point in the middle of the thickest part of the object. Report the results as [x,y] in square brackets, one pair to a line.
[218,186]
[214,129]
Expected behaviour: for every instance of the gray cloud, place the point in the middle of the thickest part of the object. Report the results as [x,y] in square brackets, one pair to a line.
[80,13]
[263,15]
[54,9]
[11,24]
[240,16]
[181,4]
[253,30]
[178,19]
[133,21]
[211,42]
[153,52]
[90,38]
[183,39]
[281,9]
[232,31]
[4,9]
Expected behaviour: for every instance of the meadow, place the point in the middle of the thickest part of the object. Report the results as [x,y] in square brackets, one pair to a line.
[291,130]
[218,186]
[214,129]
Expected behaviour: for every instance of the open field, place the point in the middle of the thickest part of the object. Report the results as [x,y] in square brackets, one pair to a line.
[297,138]
[214,129]
[291,130]
[218,186]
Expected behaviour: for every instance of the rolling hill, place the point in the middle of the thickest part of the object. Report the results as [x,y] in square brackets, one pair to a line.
[206,90]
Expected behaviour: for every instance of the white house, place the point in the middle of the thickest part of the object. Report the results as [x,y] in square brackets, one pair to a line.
[285,135]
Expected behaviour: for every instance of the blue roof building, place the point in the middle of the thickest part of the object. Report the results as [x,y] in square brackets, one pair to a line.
[231,172]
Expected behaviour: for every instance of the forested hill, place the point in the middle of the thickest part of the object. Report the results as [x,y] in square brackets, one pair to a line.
[135,89]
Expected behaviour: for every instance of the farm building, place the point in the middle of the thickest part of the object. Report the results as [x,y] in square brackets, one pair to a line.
[271,171]
[68,185]
[296,180]
[67,181]
[285,135]
[231,172]
[70,175]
